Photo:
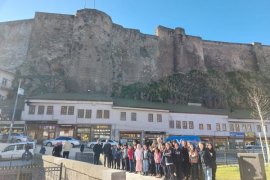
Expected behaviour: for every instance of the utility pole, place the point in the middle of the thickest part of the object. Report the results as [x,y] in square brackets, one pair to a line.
[14,111]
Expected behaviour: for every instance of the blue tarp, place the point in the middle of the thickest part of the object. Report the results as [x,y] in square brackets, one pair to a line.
[193,139]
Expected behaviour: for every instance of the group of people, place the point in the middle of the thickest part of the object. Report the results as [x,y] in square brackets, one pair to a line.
[58,148]
[170,159]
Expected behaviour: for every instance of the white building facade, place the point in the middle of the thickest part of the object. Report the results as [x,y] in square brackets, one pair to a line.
[92,119]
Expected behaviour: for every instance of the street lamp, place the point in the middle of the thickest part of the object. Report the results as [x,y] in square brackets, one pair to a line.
[19,91]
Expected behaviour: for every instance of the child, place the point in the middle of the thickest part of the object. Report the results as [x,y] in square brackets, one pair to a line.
[131,158]
[139,158]
[152,165]
[42,150]
[118,157]
[145,160]
[157,157]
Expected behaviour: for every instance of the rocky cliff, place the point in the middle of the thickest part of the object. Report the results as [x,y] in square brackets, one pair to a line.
[87,51]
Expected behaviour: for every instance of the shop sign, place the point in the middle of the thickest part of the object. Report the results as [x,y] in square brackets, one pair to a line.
[237,134]
[155,132]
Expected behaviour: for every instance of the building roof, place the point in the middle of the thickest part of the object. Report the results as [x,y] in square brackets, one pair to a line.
[73,97]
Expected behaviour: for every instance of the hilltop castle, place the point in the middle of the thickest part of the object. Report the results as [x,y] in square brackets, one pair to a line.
[87,51]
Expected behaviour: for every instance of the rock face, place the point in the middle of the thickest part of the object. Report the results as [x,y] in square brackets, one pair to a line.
[87,51]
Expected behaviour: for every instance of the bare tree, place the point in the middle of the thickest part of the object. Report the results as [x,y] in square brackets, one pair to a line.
[260,104]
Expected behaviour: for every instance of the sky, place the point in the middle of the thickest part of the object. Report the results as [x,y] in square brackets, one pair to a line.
[242,21]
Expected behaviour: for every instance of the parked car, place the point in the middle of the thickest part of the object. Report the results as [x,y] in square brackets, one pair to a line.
[51,142]
[16,137]
[16,150]
[254,149]
[91,144]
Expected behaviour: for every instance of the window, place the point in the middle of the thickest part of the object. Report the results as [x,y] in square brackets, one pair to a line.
[244,128]
[71,110]
[259,128]
[159,118]
[80,113]
[237,127]
[99,114]
[150,118]
[201,126]
[9,148]
[63,110]
[20,146]
[178,124]
[191,125]
[133,116]
[4,82]
[217,127]
[88,113]
[50,110]
[184,124]
[249,127]
[208,126]
[106,114]
[231,127]
[32,109]
[41,109]
[224,128]
[123,116]
[171,124]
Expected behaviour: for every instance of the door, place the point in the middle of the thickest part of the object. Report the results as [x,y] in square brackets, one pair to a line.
[8,152]
[19,150]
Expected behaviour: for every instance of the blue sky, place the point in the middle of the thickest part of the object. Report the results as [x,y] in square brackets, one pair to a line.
[243,21]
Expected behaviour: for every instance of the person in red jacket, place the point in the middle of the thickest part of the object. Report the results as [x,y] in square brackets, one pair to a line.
[131,158]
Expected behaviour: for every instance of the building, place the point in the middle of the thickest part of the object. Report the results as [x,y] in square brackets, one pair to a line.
[95,116]
[6,79]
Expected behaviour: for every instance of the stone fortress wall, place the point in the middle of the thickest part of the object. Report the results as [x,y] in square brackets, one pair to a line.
[91,52]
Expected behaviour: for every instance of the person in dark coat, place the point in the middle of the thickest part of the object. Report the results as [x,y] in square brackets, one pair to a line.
[205,162]
[107,152]
[177,160]
[97,149]
[185,160]
[82,148]
[57,149]
[168,158]
[213,158]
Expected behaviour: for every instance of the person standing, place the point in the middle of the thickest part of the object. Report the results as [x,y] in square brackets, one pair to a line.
[185,160]
[194,159]
[106,152]
[131,158]
[124,158]
[177,160]
[97,149]
[118,156]
[145,160]
[66,148]
[168,157]
[139,158]
[213,158]
[157,157]
[205,161]
[152,166]
[42,150]
[57,149]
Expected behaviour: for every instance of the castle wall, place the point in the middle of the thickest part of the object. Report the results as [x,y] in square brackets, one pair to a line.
[14,40]
[89,52]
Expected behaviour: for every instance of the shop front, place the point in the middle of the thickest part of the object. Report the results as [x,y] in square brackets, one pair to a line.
[17,128]
[237,140]
[83,133]
[130,136]
[101,132]
[88,133]
[250,138]
[66,130]
[41,130]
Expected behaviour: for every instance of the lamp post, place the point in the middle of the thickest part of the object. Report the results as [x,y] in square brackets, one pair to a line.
[14,111]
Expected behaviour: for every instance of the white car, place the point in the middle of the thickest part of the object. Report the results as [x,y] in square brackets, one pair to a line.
[51,142]
[91,144]
[16,150]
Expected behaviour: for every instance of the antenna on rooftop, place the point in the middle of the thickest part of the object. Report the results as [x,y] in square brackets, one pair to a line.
[84,4]
[94,4]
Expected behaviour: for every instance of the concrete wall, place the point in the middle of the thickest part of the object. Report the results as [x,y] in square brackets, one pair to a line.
[82,171]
